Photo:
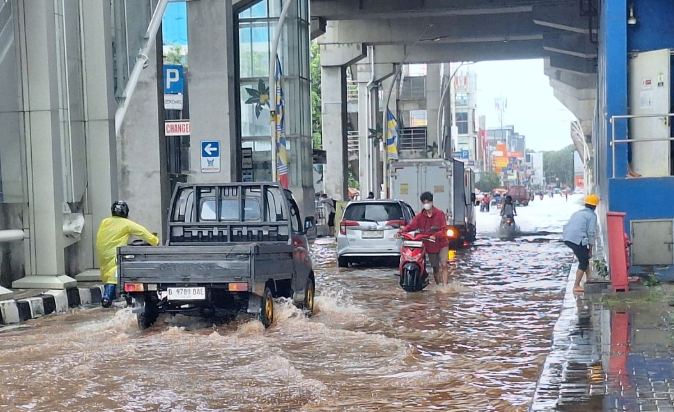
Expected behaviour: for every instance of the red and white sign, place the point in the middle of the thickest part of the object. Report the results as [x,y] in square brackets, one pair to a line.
[181,128]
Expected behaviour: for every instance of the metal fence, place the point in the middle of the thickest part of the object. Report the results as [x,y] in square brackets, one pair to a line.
[413,138]
[629,117]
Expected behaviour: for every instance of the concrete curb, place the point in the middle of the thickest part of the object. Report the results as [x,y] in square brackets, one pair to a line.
[14,311]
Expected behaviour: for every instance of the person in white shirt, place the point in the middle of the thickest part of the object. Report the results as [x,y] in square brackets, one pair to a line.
[331,206]
[579,235]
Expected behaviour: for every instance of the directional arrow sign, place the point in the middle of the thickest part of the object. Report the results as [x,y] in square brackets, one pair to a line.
[210,149]
[210,156]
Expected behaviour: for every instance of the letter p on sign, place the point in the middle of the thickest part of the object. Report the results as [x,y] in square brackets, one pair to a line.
[173,79]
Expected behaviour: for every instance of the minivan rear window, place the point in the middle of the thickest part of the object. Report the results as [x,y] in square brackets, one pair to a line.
[380,212]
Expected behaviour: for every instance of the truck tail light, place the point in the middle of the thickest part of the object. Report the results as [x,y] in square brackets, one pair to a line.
[134,287]
[344,224]
[238,287]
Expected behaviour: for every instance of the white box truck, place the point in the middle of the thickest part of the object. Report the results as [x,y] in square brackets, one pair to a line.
[453,189]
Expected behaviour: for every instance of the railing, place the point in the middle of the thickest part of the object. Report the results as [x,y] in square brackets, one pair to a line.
[351,90]
[321,215]
[352,141]
[634,116]
[413,88]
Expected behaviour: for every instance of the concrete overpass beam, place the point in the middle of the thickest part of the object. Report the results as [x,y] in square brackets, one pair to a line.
[318,27]
[575,80]
[334,55]
[574,64]
[377,9]
[571,44]
[441,53]
[562,16]
[459,29]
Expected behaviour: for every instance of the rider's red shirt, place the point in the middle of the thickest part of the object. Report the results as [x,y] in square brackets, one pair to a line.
[424,223]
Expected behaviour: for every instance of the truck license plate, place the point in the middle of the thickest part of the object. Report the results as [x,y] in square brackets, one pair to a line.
[377,234]
[186,293]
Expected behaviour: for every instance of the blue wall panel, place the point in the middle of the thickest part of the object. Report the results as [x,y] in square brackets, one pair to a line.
[643,198]
[654,29]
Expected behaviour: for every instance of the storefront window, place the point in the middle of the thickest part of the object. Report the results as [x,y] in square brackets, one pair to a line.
[256,29]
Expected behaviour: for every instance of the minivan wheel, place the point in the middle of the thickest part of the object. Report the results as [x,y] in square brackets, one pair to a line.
[342,262]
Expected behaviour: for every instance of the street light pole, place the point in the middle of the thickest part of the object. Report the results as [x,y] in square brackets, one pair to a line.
[272,88]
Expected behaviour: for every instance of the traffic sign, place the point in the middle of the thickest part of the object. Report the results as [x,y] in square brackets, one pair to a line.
[210,156]
[173,79]
[180,128]
[465,154]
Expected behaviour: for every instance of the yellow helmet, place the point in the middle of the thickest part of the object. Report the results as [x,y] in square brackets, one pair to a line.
[592,200]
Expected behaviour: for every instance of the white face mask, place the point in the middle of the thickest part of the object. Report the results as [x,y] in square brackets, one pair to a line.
[428,206]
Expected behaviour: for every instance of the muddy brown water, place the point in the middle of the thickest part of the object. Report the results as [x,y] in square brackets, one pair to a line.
[475,345]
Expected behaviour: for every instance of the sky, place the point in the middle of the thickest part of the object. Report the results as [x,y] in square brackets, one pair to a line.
[532,107]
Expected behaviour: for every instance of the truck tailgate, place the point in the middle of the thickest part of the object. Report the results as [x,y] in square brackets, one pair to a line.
[196,264]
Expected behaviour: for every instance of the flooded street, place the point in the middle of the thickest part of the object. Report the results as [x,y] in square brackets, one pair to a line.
[475,345]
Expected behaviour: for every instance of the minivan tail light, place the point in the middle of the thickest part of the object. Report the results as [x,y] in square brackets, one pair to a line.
[344,224]
[396,223]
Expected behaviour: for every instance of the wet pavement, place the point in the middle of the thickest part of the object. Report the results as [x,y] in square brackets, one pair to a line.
[478,344]
[611,353]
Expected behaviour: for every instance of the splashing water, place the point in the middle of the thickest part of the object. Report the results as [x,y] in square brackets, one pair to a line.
[476,344]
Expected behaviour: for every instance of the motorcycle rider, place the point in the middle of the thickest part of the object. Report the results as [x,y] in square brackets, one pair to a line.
[438,247]
[508,210]
[113,233]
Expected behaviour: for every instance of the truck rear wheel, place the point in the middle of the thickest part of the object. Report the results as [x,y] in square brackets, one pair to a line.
[267,311]
[149,313]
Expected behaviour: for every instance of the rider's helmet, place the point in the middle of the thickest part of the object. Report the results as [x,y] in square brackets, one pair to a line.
[509,199]
[120,209]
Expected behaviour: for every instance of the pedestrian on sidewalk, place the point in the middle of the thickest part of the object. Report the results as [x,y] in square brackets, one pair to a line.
[579,235]
[113,233]
[332,208]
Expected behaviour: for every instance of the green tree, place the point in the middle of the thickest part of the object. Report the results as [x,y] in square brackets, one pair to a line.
[175,56]
[316,110]
[488,182]
[559,165]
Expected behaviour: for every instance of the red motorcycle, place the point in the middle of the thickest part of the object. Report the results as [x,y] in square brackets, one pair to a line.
[413,273]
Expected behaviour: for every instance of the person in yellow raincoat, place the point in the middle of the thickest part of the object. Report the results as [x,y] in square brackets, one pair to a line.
[114,232]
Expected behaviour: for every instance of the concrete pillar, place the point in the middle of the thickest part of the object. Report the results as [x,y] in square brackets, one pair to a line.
[433,92]
[45,269]
[365,144]
[333,88]
[212,88]
[100,114]
[141,148]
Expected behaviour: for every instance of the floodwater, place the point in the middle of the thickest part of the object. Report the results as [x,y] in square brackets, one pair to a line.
[477,344]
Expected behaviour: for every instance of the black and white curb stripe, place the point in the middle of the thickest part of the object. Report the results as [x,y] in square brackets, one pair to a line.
[54,301]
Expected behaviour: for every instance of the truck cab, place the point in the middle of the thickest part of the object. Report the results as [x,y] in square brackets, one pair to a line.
[230,248]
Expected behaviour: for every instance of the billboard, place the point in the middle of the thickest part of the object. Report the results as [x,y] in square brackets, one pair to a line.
[516,145]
